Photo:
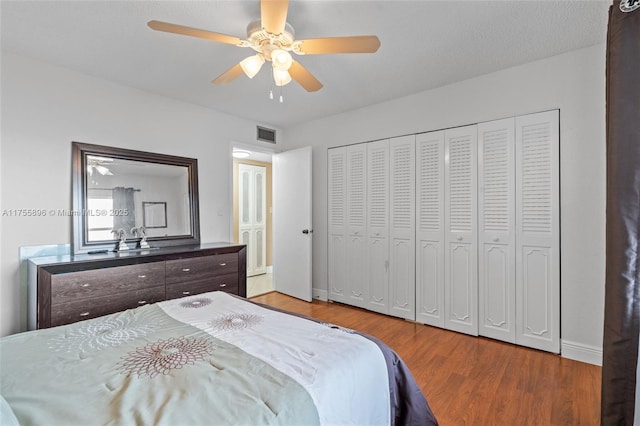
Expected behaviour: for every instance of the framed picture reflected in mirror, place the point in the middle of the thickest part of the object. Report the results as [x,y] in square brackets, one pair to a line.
[155,214]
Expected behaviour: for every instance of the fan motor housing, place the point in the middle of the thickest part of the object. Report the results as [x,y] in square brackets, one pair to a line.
[258,36]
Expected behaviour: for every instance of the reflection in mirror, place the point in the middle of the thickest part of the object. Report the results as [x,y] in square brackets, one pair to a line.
[135,194]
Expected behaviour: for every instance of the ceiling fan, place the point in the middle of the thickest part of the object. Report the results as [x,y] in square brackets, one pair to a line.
[272,38]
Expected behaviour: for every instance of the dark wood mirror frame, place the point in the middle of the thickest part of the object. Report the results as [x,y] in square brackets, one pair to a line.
[81,243]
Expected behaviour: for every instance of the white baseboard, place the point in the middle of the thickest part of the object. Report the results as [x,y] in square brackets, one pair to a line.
[581,352]
[320,294]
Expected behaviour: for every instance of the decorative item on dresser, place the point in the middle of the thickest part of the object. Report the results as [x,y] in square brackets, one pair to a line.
[67,289]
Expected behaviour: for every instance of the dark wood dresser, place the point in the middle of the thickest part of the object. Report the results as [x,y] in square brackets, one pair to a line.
[66,289]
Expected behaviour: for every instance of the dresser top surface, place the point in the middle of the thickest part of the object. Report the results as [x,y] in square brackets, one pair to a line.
[138,255]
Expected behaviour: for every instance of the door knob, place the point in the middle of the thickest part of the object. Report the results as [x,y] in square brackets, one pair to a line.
[307,231]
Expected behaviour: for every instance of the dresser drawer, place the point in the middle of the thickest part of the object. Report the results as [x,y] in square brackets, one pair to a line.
[81,285]
[198,268]
[66,313]
[227,283]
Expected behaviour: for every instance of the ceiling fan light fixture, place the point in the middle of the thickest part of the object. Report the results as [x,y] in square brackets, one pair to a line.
[252,65]
[273,38]
[281,77]
[281,59]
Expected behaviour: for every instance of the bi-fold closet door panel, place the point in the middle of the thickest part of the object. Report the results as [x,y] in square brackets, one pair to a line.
[337,224]
[538,231]
[430,228]
[347,207]
[378,226]
[371,226]
[402,284]
[519,236]
[356,257]
[496,234]
[446,229]
[460,230]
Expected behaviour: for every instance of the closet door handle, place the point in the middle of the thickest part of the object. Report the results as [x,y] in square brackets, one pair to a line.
[186,269]
[85,314]
[459,238]
[496,239]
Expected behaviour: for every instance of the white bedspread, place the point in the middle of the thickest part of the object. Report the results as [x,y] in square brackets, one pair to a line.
[354,383]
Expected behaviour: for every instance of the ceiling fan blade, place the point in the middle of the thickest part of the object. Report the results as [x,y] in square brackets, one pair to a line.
[304,77]
[229,75]
[194,32]
[273,14]
[350,44]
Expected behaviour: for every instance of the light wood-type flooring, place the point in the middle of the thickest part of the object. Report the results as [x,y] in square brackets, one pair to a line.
[473,380]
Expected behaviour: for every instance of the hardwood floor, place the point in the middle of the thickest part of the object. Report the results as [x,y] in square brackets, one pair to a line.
[472,380]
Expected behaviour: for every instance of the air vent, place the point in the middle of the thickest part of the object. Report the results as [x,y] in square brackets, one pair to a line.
[266,135]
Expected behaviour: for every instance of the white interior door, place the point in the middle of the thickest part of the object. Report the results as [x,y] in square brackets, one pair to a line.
[292,220]
[252,206]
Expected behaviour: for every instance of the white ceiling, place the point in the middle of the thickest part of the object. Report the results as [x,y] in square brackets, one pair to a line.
[424,44]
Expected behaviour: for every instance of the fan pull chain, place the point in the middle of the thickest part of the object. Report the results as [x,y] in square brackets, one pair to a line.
[281,97]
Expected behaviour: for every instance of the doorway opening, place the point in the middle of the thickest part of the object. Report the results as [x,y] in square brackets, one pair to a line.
[253,218]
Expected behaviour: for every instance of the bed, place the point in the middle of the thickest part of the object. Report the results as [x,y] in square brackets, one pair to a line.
[208,359]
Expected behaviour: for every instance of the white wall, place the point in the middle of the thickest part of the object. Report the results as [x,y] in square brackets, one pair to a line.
[574,83]
[45,107]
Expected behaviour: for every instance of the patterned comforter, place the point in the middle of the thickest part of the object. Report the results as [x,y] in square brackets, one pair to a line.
[210,359]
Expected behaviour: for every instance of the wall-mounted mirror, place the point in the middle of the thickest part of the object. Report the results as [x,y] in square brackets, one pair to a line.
[122,195]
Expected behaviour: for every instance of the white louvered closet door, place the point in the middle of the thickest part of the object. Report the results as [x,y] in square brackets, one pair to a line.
[337,215]
[402,284]
[430,228]
[252,219]
[496,234]
[538,231]
[461,236]
[356,225]
[378,226]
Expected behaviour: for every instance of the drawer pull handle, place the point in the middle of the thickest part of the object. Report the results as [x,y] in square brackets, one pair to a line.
[186,292]
[185,269]
[85,314]
[223,264]
[223,285]
[142,302]
[85,285]
[142,276]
